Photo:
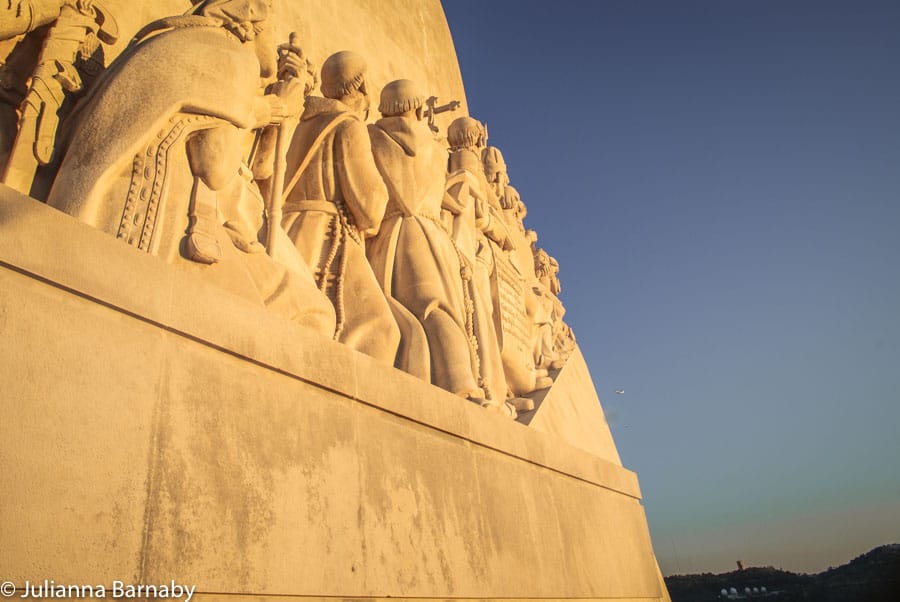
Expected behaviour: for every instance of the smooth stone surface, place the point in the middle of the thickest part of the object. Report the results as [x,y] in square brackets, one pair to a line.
[571,410]
[249,456]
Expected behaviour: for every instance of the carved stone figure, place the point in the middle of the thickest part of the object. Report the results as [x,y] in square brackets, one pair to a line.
[467,212]
[59,58]
[176,177]
[539,302]
[547,271]
[495,170]
[511,270]
[552,341]
[413,256]
[155,154]
[334,200]
[546,309]
[22,16]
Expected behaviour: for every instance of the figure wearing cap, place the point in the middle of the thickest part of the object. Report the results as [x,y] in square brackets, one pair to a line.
[334,200]
[413,256]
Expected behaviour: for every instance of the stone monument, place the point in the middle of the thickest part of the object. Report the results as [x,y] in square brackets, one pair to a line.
[263,341]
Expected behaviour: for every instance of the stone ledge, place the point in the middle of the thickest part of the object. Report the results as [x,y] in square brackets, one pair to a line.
[176,430]
[50,246]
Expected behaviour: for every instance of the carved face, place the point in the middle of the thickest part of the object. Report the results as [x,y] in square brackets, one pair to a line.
[237,11]
[521,211]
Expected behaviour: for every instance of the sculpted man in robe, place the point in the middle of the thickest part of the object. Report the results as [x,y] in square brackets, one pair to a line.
[562,340]
[548,310]
[503,198]
[334,200]
[540,302]
[495,170]
[468,213]
[413,256]
[155,153]
[512,297]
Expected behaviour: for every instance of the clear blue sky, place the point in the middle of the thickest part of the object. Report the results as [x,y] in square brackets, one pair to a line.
[720,182]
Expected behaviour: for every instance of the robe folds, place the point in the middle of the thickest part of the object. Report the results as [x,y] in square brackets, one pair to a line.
[414,257]
[468,187]
[126,168]
[335,199]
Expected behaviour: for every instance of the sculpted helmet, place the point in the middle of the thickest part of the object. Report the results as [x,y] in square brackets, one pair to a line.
[342,73]
[400,96]
[465,131]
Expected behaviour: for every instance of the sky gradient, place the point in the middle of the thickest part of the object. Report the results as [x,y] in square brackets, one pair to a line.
[720,182]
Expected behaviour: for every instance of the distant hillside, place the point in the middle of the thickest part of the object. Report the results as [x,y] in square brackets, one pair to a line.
[871,577]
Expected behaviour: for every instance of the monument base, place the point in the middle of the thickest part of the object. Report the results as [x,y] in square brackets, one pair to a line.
[158,428]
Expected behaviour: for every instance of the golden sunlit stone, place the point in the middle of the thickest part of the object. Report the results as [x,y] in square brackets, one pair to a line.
[191,399]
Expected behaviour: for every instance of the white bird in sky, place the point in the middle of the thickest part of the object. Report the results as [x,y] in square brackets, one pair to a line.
[620,391]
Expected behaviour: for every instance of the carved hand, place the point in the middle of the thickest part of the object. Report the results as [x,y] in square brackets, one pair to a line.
[293,64]
[286,99]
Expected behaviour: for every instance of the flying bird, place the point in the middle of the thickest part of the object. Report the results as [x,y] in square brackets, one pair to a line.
[620,391]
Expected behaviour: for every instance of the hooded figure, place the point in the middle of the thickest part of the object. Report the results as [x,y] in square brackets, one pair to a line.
[155,153]
[413,256]
[334,200]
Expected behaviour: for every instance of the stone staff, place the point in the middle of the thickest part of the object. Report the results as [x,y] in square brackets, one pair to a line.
[275,205]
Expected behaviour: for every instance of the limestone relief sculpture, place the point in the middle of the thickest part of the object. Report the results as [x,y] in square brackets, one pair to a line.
[508,288]
[468,216]
[44,74]
[413,256]
[556,348]
[335,199]
[155,154]
[202,144]
[550,339]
